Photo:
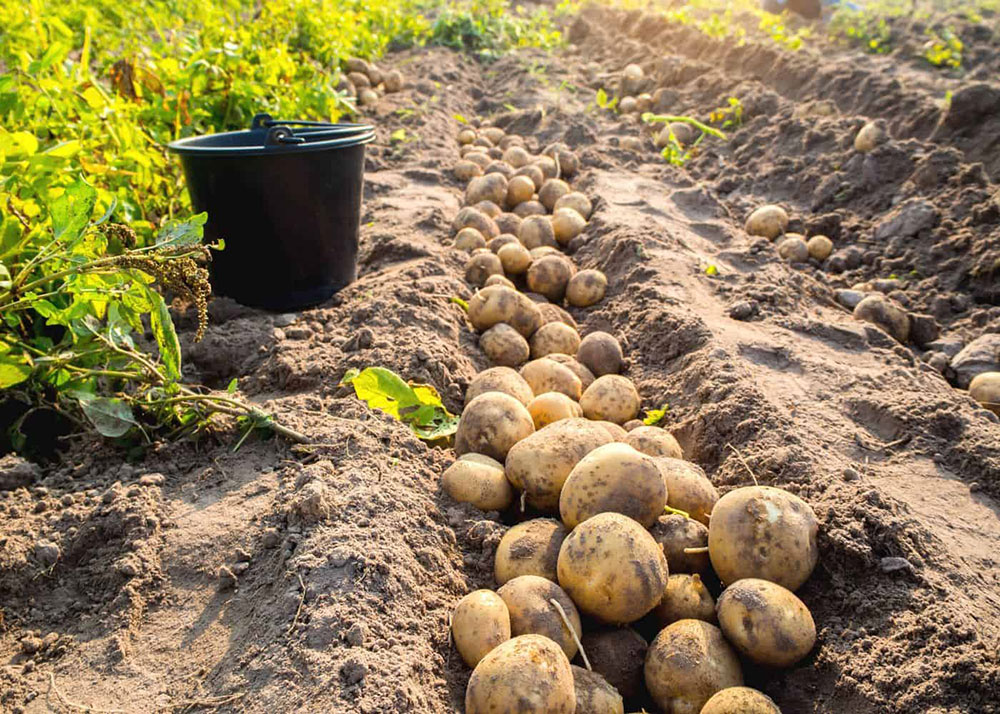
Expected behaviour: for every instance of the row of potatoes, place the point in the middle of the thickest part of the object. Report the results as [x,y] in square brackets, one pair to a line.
[366,81]
[638,527]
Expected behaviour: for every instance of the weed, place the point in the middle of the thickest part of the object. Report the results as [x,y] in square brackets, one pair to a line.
[730,116]
[944,49]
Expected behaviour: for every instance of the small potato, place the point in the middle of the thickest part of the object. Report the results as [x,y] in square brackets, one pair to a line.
[509,223]
[740,700]
[676,534]
[686,598]
[616,432]
[481,266]
[483,142]
[654,441]
[394,81]
[478,480]
[763,532]
[683,132]
[474,218]
[537,231]
[594,695]
[501,304]
[479,624]
[611,398]
[633,143]
[517,157]
[601,353]
[554,337]
[617,654]
[554,313]
[568,162]
[505,346]
[612,568]
[548,166]
[467,170]
[586,288]
[495,244]
[479,158]
[357,64]
[567,224]
[543,251]
[628,105]
[767,623]
[499,167]
[488,208]
[375,75]
[491,424]
[519,190]
[529,548]
[496,154]
[633,424]
[531,613]
[644,102]
[530,208]
[515,258]
[614,478]
[494,134]
[534,173]
[793,248]
[540,464]
[469,239]
[491,187]
[549,276]
[510,140]
[985,389]
[887,314]
[529,674]
[546,375]
[577,201]
[870,137]
[367,97]
[359,80]
[769,221]
[500,379]
[688,488]
[687,663]
[551,191]
[585,375]
[499,280]
[551,407]
[819,248]
[466,136]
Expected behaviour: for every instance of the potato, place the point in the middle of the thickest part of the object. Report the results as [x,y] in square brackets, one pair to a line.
[357,64]
[793,248]
[686,598]
[567,224]
[985,389]
[495,244]
[530,208]
[548,166]
[612,568]
[483,142]
[600,353]
[632,78]
[500,379]
[519,190]
[537,231]
[740,700]
[577,201]
[531,613]
[478,480]
[472,217]
[763,532]
[643,102]
[509,223]
[488,208]
[502,304]
[887,314]
[375,75]
[586,288]
[544,251]
[467,170]
[481,266]
[529,548]
[594,695]
[819,247]
[394,81]
[766,623]
[769,221]
[567,161]
[367,97]
[611,398]
[499,167]
[870,137]
[517,156]
[554,313]
[551,407]
[497,155]
[614,478]
[491,187]
[499,280]
[633,143]
[510,140]
[687,663]
[617,654]
[503,345]
[359,80]
[533,172]
[514,258]
[540,464]
[628,105]
[677,533]
[494,134]
[688,488]
[654,441]
[525,675]
[469,239]
[546,375]
[585,375]
[491,424]
[633,424]
[479,623]
[554,337]
[616,432]
[551,191]
[549,276]
[466,136]
[479,158]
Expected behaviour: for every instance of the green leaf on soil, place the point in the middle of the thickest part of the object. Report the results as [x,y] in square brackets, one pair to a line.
[111,417]
[418,405]
[460,119]
[655,416]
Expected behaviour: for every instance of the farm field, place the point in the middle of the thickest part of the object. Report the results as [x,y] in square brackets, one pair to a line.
[199,513]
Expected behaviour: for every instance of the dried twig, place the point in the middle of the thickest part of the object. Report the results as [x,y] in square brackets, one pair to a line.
[65,701]
[744,462]
[298,610]
[572,632]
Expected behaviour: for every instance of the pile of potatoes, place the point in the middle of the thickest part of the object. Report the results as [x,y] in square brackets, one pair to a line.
[771,222]
[365,81]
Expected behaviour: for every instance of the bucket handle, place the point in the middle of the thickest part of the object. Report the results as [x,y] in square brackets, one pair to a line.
[266,121]
[279,135]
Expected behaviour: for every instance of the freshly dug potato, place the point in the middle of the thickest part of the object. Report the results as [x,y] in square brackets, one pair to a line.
[819,247]
[633,143]
[577,201]
[466,136]
[491,424]
[769,221]
[491,187]
[594,695]
[495,244]
[494,134]
[870,137]
[469,239]
[686,598]
[505,346]
[643,102]
[632,79]
[359,80]
[763,532]
[683,132]
[357,64]
[551,191]
[499,167]
[519,190]
[481,266]
[549,276]
[375,75]
[467,170]
[499,280]
[510,140]
[544,251]
[612,568]
[546,375]
[740,700]
[601,353]
[478,157]
[614,478]
[586,288]
[529,548]
[540,464]
[628,105]
[886,313]
[533,172]
[551,407]
[515,258]
[483,142]
[567,224]
[367,97]
[793,248]
[509,223]
[554,313]
[617,654]
[478,480]
[585,375]
[527,598]
[568,162]
[537,231]
[688,488]
[517,156]
[767,623]
[616,432]
[500,379]
[554,337]
[633,424]
[611,398]
[525,675]
[654,441]
[474,218]
[677,533]
[687,663]
[548,166]
[394,81]
[488,208]
[985,389]
[530,208]
[479,624]
[501,304]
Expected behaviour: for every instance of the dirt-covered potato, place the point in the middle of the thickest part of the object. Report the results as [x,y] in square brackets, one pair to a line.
[529,548]
[540,464]
[548,166]
[491,187]
[554,337]
[530,208]
[479,623]
[686,598]
[676,534]
[531,612]
[687,663]
[478,157]
[594,695]
[467,170]
[585,375]
[793,248]
[985,389]
[740,700]
[586,288]
[481,266]
[517,156]
[500,167]
[509,223]
[533,172]
[546,375]
[466,136]
[505,346]
[536,231]
[469,239]
[688,488]
[519,190]
[499,280]
[502,304]
[819,247]
[763,532]
[611,398]
[766,623]
[554,313]
[643,102]
[769,221]
[494,134]
[510,140]
[870,137]
[514,258]
[616,432]
[617,654]
[633,424]
[544,251]
[614,478]
[478,480]
[654,441]
[367,97]
[394,81]
[567,224]
[612,568]
[375,75]
[551,407]
[525,675]
[549,276]
[568,162]
[601,353]
[577,201]
[500,241]
[473,217]
[488,208]
[491,424]
[500,379]
[628,105]
[359,80]
[551,191]
[887,314]
[483,142]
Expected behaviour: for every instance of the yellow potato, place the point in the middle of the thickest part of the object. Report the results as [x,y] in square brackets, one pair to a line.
[469,239]
[677,533]
[502,304]
[536,231]
[549,276]
[481,266]
[525,675]
[478,157]
[740,700]
[491,424]
[611,398]
[793,248]
[467,170]
[519,190]
[474,218]
[529,548]
[504,346]
[628,105]
[551,407]
[548,166]
[501,240]
[546,375]
[488,208]
[594,695]
[585,375]
[494,133]
[528,599]
[534,173]
[514,258]
[531,208]
[985,389]
[654,441]
[616,432]
[491,187]
[478,480]
[554,337]
[500,379]
[617,654]
[577,201]
[567,224]
[767,623]
[586,288]
[686,598]
[499,280]
[768,221]
[394,81]
[466,136]
[870,137]
[509,223]
[479,623]
[819,247]
[614,478]
[554,313]
[551,191]
[517,156]
[568,162]
[510,140]
[688,488]
[601,353]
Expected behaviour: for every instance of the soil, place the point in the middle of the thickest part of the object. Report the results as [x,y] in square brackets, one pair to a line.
[192,577]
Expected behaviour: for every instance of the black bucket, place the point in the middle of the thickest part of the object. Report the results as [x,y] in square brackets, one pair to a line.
[287,202]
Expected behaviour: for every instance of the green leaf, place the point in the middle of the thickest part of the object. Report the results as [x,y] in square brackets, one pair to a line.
[231,389]
[655,416]
[5,280]
[460,119]
[711,270]
[460,302]
[180,233]
[602,98]
[166,337]
[111,417]
[71,211]
[398,135]
[13,370]
[418,405]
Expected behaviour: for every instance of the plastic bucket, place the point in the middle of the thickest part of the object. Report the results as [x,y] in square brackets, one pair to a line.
[286,198]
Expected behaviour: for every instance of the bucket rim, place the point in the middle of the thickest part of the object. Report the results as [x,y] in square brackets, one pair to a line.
[355,135]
